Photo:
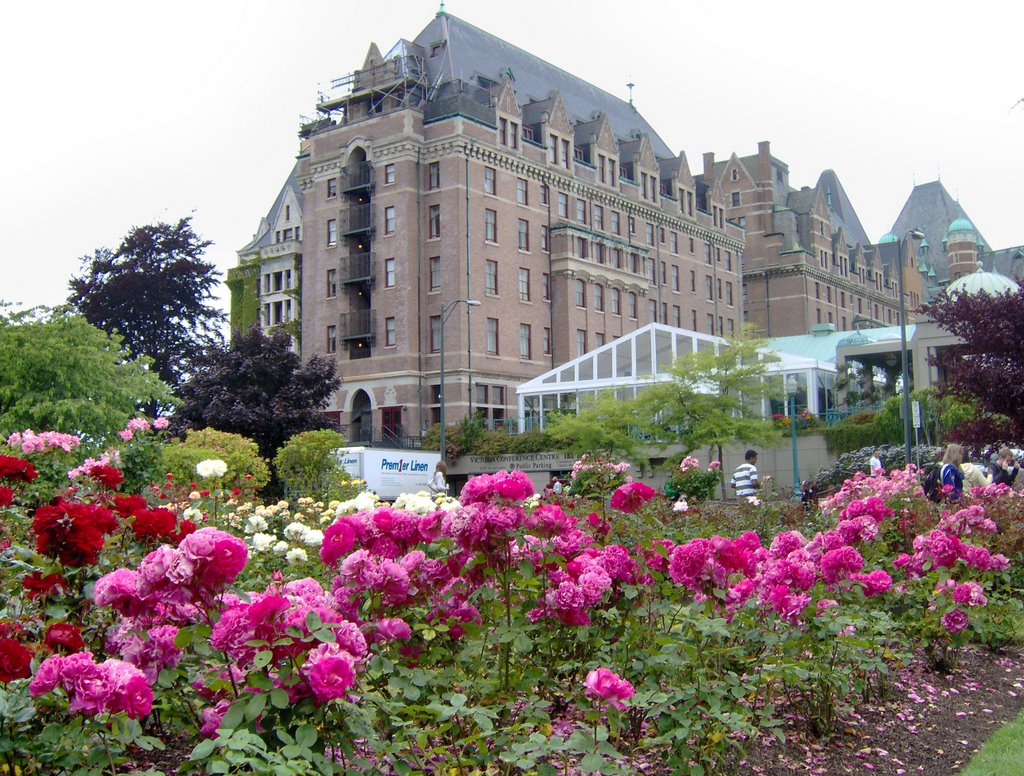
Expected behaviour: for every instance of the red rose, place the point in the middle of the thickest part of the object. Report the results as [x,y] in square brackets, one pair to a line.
[187,527]
[36,584]
[14,468]
[73,532]
[107,476]
[15,661]
[6,497]
[63,634]
[631,496]
[9,629]
[128,505]
[154,523]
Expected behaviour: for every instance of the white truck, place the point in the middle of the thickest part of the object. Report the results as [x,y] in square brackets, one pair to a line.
[389,473]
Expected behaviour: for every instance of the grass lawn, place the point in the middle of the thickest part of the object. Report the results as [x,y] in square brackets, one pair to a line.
[1002,754]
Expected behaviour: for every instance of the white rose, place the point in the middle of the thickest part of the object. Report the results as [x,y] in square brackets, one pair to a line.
[296,556]
[281,548]
[255,524]
[262,542]
[294,531]
[211,467]
[313,538]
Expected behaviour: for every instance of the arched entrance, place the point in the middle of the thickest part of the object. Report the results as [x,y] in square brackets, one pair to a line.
[362,419]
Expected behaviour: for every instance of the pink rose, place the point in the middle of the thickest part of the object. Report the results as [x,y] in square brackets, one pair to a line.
[609,687]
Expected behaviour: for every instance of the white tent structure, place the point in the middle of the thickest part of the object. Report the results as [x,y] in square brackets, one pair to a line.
[642,357]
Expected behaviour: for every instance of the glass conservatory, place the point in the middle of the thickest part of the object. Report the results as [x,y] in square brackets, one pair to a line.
[628,364]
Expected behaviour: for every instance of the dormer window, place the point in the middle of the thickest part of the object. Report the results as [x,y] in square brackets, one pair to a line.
[437,49]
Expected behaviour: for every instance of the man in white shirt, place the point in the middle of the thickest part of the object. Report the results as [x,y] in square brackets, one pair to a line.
[745,479]
[875,463]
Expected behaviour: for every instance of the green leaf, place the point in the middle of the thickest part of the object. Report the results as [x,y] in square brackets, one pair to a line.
[279,698]
[263,658]
[255,706]
[305,736]
[202,750]
[234,716]
[592,763]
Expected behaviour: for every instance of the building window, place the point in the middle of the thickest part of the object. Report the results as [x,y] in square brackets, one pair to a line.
[598,217]
[524,341]
[728,294]
[563,205]
[613,300]
[490,186]
[332,282]
[732,326]
[491,226]
[547,341]
[735,199]
[332,339]
[711,323]
[435,273]
[719,283]
[616,223]
[581,293]
[492,336]
[491,277]
[675,278]
[389,174]
[544,246]
[581,342]
[693,281]
[434,175]
[522,192]
[435,333]
[389,220]
[545,194]
[631,223]
[581,211]
[389,332]
[566,154]
[546,283]
[617,257]
[709,288]
[634,263]
[503,131]
[673,242]
[433,222]
[677,316]
[631,305]
[599,252]
[524,284]
[581,247]
[599,298]
[524,234]
[389,273]
[332,232]
[650,234]
[332,187]
[728,260]
[552,149]
[707,253]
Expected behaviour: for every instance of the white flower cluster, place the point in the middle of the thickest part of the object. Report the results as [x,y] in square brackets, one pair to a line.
[365,500]
[297,532]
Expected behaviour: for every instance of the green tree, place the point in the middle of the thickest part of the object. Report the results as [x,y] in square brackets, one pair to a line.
[306,464]
[605,424]
[156,292]
[712,399]
[60,373]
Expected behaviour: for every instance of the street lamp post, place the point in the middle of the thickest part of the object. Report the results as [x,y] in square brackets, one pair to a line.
[792,386]
[447,310]
[912,234]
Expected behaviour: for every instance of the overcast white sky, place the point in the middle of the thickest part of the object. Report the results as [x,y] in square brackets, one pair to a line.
[121,113]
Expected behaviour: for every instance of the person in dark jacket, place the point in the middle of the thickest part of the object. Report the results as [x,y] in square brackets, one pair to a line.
[952,475]
[1005,469]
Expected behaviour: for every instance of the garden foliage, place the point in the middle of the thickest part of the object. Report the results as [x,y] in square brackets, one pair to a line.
[596,630]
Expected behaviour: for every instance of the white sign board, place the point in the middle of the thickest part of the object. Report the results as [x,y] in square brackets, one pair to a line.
[915,412]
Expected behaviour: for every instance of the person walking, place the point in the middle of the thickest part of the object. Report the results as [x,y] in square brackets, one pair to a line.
[952,475]
[875,463]
[439,482]
[745,479]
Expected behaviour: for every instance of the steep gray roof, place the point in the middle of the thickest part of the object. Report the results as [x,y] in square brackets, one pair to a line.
[267,237]
[471,52]
[931,209]
[842,209]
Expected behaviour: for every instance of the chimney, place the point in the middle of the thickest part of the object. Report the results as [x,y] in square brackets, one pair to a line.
[709,166]
[764,162]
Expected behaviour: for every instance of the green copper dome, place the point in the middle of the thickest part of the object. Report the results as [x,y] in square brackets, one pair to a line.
[960,225]
[888,237]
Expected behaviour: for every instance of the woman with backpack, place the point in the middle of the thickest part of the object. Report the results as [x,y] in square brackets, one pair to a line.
[952,475]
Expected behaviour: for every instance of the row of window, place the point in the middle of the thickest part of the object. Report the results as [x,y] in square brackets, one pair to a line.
[274,281]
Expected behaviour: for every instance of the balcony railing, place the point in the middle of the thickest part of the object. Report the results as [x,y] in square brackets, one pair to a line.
[357,219]
[357,268]
[358,325]
[357,176]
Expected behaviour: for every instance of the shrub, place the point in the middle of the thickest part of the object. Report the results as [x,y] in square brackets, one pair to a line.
[307,465]
[246,469]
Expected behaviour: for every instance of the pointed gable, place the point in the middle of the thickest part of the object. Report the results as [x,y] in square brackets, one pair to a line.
[558,119]
[743,175]
[373,57]
[506,99]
